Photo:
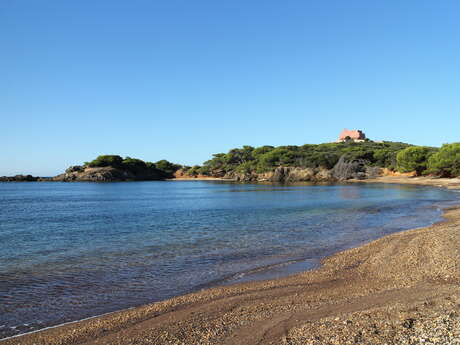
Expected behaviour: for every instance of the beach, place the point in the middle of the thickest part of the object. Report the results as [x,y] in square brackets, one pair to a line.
[400,289]
[449,183]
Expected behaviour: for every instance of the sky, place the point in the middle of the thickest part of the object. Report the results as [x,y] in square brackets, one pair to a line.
[182,80]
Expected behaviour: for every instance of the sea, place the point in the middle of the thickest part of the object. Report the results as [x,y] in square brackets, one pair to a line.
[70,251]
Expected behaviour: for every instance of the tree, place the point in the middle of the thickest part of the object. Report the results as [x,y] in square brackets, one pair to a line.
[240,156]
[414,158]
[106,160]
[446,162]
[167,167]
[194,171]
[266,158]
[133,164]
[262,150]
[385,158]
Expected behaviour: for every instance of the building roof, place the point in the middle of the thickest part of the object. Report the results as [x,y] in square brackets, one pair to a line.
[354,134]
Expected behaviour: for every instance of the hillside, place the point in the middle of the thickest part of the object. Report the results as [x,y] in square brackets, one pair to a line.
[329,162]
[323,162]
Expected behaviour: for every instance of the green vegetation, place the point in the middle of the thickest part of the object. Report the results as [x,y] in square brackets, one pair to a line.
[266,158]
[194,170]
[167,167]
[414,158]
[135,165]
[162,168]
[446,162]
[105,161]
[394,156]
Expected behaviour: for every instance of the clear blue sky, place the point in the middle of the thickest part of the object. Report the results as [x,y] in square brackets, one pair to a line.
[181,80]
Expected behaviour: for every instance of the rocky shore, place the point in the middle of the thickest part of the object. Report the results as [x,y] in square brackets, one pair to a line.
[104,174]
[91,174]
[401,289]
[20,178]
[342,171]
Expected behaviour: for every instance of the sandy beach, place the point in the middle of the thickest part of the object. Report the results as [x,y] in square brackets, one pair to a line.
[401,289]
[449,183]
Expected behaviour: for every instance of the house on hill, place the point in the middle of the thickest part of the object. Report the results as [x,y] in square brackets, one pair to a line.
[356,135]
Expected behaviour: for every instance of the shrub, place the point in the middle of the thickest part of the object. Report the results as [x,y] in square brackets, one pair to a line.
[266,158]
[194,171]
[385,158]
[446,162]
[106,160]
[133,164]
[414,158]
[150,165]
[167,167]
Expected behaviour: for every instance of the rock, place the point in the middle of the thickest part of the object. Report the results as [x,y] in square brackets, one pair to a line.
[19,178]
[105,174]
[349,169]
[284,175]
[74,168]
[373,172]
[408,323]
[342,171]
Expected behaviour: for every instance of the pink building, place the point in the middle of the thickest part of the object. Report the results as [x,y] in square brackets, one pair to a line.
[356,135]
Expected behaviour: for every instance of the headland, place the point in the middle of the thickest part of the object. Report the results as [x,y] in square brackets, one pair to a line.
[352,157]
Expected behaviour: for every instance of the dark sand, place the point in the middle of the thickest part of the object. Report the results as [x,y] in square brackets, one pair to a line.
[401,289]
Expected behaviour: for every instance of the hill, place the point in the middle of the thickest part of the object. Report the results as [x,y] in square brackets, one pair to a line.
[327,162]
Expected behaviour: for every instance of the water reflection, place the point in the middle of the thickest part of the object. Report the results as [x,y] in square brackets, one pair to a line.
[350,192]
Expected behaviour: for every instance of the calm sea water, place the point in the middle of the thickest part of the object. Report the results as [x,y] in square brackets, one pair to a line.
[74,250]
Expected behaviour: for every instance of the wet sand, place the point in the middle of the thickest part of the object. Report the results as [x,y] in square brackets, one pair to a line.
[401,289]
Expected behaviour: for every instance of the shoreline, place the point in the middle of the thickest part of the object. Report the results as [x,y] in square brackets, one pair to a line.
[199,179]
[299,308]
[448,183]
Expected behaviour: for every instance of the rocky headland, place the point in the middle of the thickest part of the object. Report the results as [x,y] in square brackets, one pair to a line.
[108,168]
[342,171]
[20,178]
[105,174]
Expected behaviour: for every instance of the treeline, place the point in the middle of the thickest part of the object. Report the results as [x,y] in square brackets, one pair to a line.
[266,158]
[162,168]
[444,161]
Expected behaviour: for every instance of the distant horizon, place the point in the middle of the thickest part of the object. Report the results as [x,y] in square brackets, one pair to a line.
[181,81]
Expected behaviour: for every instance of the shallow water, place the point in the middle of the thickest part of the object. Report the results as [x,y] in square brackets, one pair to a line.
[74,250]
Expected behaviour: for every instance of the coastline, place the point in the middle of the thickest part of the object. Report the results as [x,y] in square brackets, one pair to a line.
[201,178]
[449,183]
[412,275]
